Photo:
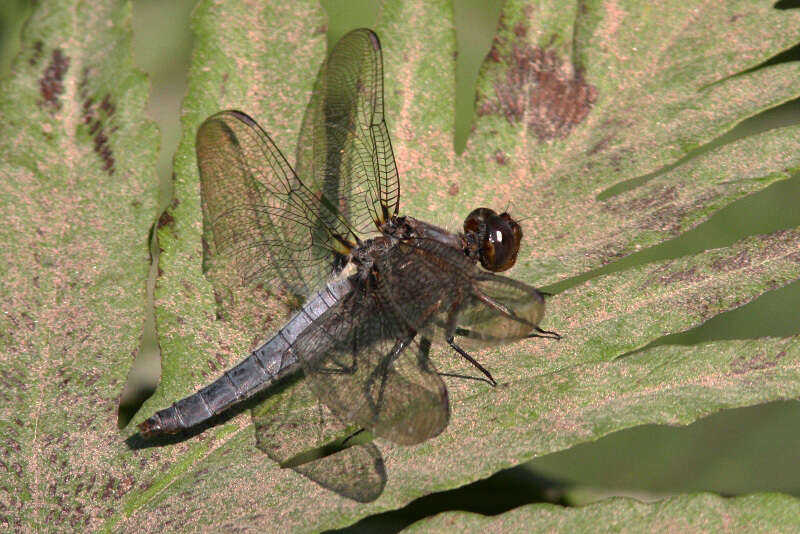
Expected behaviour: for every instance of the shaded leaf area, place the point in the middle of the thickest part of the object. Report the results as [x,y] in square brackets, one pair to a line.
[766,512]
[647,85]
[77,197]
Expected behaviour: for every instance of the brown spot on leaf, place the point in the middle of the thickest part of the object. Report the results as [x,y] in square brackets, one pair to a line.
[605,254]
[37,53]
[83,86]
[688,275]
[601,144]
[220,305]
[758,362]
[51,84]
[660,208]
[97,117]
[494,53]
[734,263]
[107,106]
[107,489]
[188,287]
[658,198]
[165,219]
[665,276]
[543,91]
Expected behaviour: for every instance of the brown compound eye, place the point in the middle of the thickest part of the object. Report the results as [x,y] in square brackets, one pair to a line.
[498,238]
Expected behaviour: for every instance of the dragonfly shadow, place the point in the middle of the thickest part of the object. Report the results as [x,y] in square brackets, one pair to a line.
[467,377]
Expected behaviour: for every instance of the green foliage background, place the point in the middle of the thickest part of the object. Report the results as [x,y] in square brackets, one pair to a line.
[733,452]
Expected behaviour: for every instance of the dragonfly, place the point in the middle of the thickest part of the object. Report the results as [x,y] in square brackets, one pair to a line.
[378,287]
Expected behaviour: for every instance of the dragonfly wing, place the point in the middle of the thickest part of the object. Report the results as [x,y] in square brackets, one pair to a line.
[291,421]
[259,218]
[344,150]
[363,363]
[501,310]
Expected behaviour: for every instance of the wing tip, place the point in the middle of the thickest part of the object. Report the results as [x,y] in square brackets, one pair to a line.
[373,38]
[244,117]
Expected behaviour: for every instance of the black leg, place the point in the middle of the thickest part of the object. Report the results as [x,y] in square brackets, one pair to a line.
[471,360]
[449,334]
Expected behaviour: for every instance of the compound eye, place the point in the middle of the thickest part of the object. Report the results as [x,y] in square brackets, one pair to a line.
[498,237]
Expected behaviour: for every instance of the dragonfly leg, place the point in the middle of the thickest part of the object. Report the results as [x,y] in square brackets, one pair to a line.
[501,308]
[505,310]
[471,360]
[449,335]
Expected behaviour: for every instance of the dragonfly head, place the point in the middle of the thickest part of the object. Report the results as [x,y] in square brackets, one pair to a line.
[497,237]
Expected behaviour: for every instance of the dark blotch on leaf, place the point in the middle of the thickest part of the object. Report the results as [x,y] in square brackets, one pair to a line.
[659,208]
[37,53]
[51,84]
[165,219]
[688,275]
[96,116]
[760,361]
[542,90]
[494,53]
[107,106]
[600,145]
[739,261]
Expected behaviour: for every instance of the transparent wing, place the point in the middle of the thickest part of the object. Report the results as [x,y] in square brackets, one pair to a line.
[501,310]
[267,223]
[260,221]
[363,363]
[292,421]
[344,152]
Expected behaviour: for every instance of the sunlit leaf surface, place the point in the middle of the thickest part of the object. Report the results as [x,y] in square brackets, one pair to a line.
[579,108]
[77,196]
[571,102]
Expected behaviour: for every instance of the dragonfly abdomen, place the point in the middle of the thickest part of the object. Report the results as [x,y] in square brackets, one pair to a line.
[272,361]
